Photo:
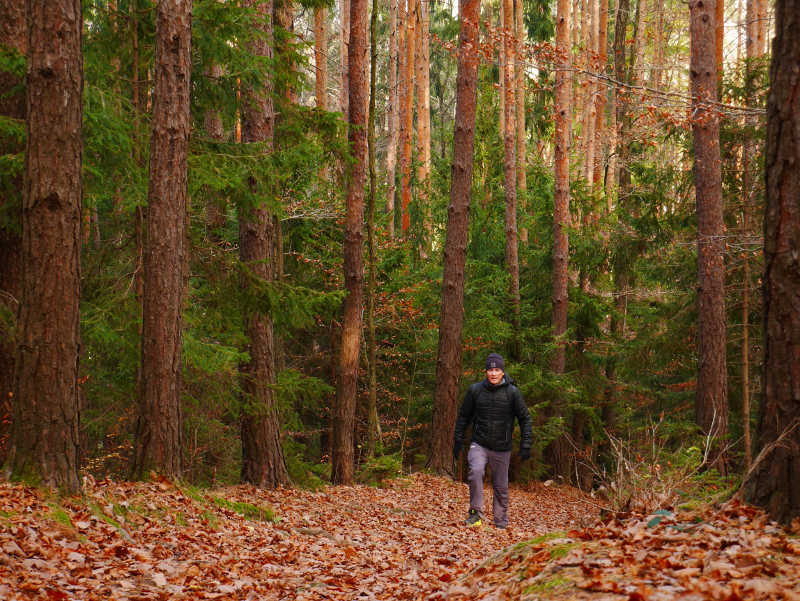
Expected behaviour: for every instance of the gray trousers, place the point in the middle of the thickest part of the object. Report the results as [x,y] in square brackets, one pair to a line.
[478,457]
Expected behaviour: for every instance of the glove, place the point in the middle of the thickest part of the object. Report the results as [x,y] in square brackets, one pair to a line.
[524,454]
[456,450]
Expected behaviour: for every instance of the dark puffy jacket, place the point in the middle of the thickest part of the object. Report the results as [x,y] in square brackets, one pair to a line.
[491,410]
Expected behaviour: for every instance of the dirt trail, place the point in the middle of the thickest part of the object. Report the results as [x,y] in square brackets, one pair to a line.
[158,541]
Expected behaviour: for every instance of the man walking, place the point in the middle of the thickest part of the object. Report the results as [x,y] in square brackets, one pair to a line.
[491,406]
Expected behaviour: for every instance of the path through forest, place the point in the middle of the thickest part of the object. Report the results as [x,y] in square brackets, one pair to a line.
[156,541]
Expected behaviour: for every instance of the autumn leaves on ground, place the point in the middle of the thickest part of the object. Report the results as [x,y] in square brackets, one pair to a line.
[405,540]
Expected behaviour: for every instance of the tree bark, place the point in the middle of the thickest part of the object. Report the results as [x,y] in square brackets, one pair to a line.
[776,483]
[13,32]
[423,87]
[510,171]
[321,57]
[393,110]
[558,453]
[711,403]
[373,422]
[520,79]
[347,386]
[448,360]
[600,98]
[44,441]
[593,88]
[158,429]
[407,116]
[263,462]
[344,37]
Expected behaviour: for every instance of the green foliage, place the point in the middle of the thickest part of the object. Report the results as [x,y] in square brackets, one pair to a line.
[247,510]
[375,470]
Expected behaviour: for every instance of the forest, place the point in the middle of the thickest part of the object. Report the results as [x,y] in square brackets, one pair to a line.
[272,242]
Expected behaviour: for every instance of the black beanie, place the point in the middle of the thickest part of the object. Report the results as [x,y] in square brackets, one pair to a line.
[494,361]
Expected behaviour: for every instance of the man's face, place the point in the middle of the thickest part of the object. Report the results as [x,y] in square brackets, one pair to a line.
[494,375]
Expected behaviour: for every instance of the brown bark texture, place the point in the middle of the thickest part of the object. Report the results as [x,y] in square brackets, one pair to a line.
[215,208]
[600,98]
[520,79]
[510,171]
[342,467]
[423,87]
[321,56]
[158,429]
[13,33]
[711,401]
[393,111]
[407,115]
[776,483]
[44,441]
[448,359]
[263,463]
[558,453]
[344,37]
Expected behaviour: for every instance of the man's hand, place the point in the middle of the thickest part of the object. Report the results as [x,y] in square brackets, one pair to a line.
[524,454]
[456,450]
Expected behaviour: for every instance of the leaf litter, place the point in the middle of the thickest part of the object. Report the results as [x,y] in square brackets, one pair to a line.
[407,540]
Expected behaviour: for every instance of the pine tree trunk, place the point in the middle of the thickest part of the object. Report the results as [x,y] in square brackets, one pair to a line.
[44,441]
[13,32]
[344,37]
[711,403]
[342,467]
[423,86]
[373,422]
[510,172]
[719,36]
[600,98]
[776,483]
[158,429]
[263,463]
[393,110]
[658,47]
[558,452]
[407,116]
[448,359]
[520,79]
[592,89]
[215,206]
[321,56]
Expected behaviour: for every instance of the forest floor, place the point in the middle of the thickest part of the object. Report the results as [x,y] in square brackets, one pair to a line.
[405,540]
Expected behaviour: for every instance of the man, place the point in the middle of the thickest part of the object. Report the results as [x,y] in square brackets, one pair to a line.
[491,406]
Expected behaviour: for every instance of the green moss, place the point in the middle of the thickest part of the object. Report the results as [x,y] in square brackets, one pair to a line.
[247,510]
[555,582]
[560,551]
[59,514]
[180,520]
[210,518]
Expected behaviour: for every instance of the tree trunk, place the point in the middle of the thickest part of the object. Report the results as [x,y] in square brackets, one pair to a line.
[592,88]
[711,403]
[600,98]
[423,86]
[347,385]
[215,206]
[344,37]
[407,116]
[158,429]
[44,442]
[448,359]
[321,56]
[393,111]
[519,75]
[658,48]
[12,104]
[510,172]
[373,423]
[262,454]
[776,482]
[719,36]
[558,453]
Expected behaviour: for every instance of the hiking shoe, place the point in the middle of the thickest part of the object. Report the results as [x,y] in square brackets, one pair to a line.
[473,519]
